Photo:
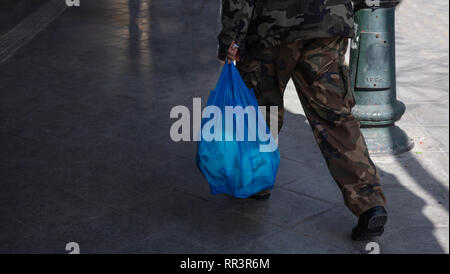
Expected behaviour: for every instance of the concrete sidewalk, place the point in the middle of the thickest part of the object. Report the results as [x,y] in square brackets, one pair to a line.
[84,130]
[13,11]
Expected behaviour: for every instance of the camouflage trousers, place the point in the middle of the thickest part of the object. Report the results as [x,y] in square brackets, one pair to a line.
[321,78]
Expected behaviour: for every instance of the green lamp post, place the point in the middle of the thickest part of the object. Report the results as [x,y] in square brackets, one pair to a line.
[373,78]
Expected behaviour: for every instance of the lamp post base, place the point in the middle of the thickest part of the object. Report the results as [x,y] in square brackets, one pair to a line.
[387,140]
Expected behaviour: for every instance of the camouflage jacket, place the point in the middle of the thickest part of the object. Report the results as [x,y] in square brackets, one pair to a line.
[267,23]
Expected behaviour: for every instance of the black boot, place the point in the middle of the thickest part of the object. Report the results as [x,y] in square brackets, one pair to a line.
[262,195]
[370,224]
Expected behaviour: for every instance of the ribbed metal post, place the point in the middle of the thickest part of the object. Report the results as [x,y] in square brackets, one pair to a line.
[373,78]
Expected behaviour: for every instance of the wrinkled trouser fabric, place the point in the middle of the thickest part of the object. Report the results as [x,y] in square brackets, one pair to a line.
[317,69]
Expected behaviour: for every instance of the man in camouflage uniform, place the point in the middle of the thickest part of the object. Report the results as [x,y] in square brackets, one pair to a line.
[306,40]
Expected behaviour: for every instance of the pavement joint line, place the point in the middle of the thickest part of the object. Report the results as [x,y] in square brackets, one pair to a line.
[295,231]
[320,240]
[36,231]
[251,217]
[309,196]
[128,245]
[298,179]
[93,202]
[287,183]
[248,216]
[298,161]
[423,128]
[25,139]
[425,192]
[312,217]
[154,236]
[29,28]
[425,226]
[249,244]
[31,228]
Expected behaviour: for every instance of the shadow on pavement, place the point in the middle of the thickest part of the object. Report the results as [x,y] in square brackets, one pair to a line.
[408,230]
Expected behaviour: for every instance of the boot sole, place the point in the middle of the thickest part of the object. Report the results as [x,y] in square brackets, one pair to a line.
[368,235]
[377,221]
[260,197]
[375,228]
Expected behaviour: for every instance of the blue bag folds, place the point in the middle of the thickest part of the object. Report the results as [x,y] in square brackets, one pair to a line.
[229,155]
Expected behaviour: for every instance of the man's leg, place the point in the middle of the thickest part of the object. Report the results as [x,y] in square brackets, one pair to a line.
[322,83]
[267,73]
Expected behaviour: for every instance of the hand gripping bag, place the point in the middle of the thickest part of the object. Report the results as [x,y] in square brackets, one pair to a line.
[228,154]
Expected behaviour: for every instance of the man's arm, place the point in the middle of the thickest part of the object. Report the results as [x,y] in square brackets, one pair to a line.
[236,16]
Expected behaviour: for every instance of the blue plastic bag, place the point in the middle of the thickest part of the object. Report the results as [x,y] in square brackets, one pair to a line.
[228,155]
